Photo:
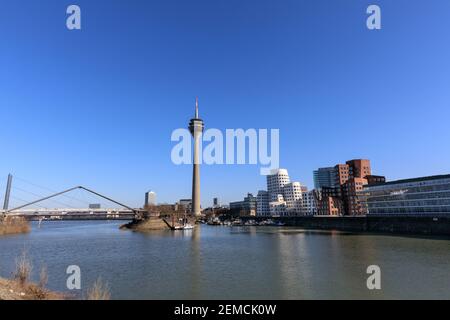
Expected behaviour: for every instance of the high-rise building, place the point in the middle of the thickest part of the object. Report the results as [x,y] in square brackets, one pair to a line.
[150,199]
[215,202]
[351,190]
[292,194]
[196,128]
[341,198]
[276,180]
[342,174]
[325,177]
[359,168]
[282,197]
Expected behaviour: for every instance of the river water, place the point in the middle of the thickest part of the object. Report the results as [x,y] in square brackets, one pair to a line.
[232,262]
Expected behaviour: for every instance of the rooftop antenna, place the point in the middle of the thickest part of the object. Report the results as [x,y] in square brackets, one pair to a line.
[196,107]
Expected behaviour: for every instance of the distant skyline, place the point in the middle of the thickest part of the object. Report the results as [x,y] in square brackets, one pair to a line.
[97,106]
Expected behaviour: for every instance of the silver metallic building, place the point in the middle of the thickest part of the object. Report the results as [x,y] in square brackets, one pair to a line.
[419,196]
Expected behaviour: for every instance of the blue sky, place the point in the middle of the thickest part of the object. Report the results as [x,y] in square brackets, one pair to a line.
[97,107]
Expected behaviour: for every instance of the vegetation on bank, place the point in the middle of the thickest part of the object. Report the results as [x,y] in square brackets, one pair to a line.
[20,286]
[13,225]
[99,291]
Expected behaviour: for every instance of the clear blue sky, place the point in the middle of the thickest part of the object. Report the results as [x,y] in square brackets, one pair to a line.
[97,107]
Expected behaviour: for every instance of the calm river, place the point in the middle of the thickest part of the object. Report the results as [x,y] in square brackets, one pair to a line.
[233,263]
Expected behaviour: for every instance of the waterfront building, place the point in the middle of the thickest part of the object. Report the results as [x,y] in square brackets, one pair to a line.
[278,208]
[359,168]
[262,203]
[309,203]
[351,190]
[341,198]
[283,197]
[95,206]
[247,207]
[276,180]
[324,178]
[292,195]
[329,203]
[410,197]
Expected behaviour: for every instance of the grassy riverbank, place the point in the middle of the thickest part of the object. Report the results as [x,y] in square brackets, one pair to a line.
[13,290]
[21,288]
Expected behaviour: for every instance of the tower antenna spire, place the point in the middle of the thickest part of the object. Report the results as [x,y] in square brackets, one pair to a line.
[196,107]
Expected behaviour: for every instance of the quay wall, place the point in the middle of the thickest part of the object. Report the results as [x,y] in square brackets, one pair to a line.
[415,225]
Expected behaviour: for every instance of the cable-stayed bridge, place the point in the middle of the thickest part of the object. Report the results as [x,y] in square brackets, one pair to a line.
[33,210]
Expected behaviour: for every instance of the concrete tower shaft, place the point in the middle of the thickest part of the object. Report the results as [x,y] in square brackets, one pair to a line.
[196,128]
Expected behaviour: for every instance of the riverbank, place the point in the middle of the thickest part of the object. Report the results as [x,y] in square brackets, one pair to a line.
[13,225]
[418,225]
[13,290]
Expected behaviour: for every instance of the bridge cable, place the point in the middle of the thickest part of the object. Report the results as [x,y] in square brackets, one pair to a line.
[21,200]
[41,196]
[48,189]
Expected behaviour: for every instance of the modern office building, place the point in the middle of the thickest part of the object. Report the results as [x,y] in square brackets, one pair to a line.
[278,207]
[262,203]
[412,197]
[341,198]
[150,199]
[310,203]
[247,207]
[351,190]
[276,180]
[324,177]
[329,202]
[359,168]
[283,197]
[292,195]
[216,203]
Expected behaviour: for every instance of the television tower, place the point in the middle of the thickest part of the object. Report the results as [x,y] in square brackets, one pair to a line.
[196,128]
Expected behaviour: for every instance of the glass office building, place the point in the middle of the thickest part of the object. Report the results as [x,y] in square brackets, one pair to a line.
[324,178]
[420,196]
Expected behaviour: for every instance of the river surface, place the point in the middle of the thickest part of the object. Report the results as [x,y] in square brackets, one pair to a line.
[232,262]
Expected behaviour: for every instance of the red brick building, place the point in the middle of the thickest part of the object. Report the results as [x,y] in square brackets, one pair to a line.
[350,179]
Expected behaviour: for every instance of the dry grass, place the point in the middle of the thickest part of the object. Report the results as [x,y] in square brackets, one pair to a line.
[43,277]
[99,291]
[36,292]
[20,287]
[13,225]
[23,269]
